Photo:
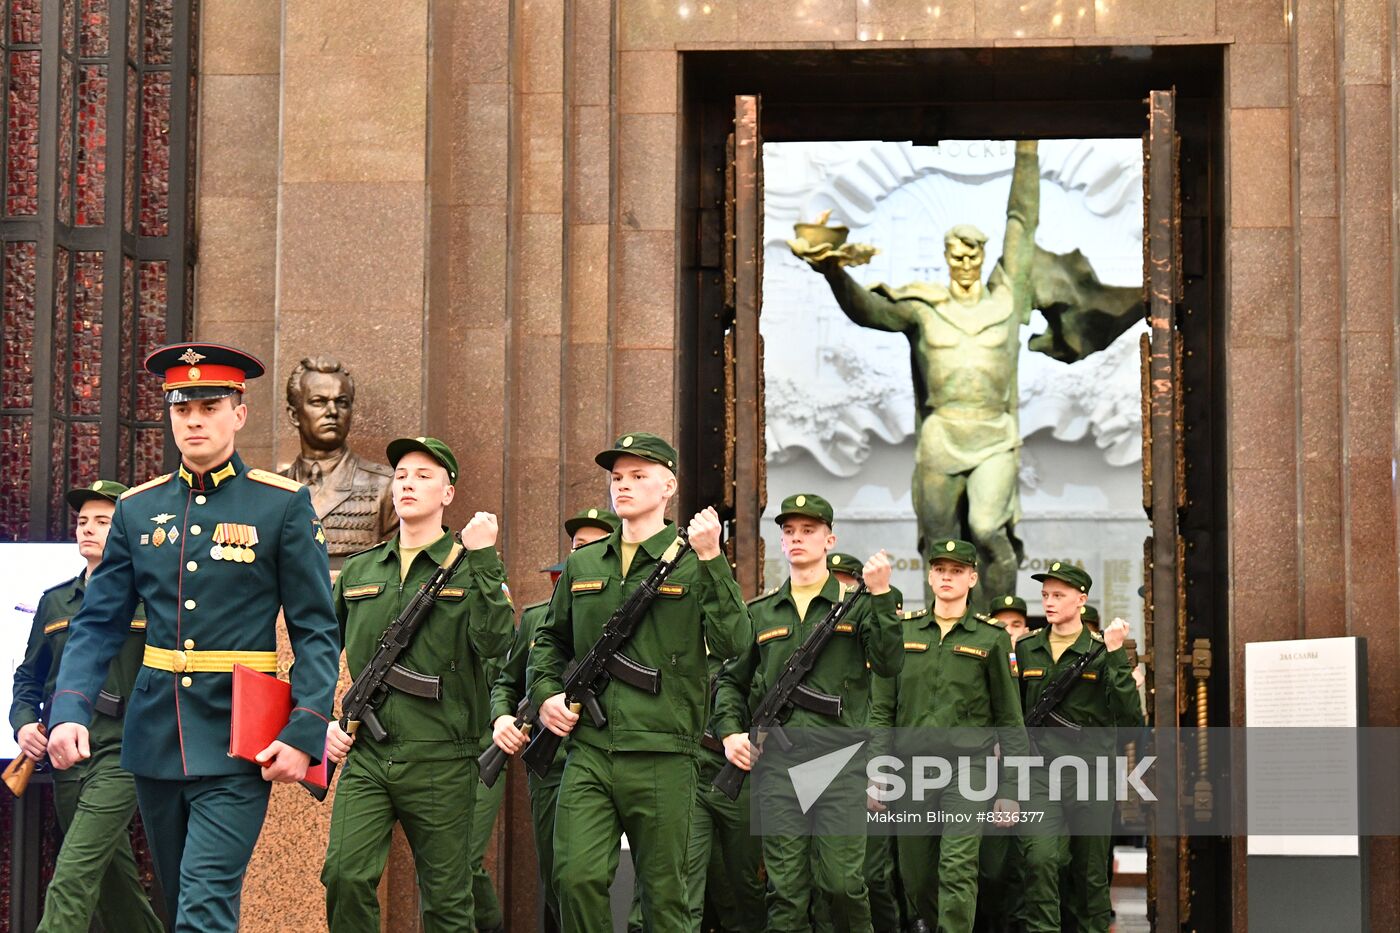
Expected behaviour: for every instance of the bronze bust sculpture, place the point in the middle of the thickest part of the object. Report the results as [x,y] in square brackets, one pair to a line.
[351,495]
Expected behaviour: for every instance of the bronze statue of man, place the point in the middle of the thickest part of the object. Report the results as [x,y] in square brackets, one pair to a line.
[350,494]
[964,341]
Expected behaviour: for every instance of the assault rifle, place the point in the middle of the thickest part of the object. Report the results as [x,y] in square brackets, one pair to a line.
[383,672]
[589,675]
[1056,690]
[789,691]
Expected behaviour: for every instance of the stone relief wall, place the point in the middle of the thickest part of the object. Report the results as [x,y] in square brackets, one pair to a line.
[840,412]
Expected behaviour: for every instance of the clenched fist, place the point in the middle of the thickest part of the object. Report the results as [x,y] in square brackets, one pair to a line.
[480,532]
[1115,634]
[704,533]
[876,574]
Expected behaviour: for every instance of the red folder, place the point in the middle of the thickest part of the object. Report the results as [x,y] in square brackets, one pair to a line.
[262,704]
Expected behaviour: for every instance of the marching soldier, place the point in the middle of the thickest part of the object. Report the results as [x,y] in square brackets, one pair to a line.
[1103,697]
[635,774]
[999,870]
[423,775]
[880,880]
[213,550]
[1090,617]
[798,863]
[584,528]
[956,679]
[95,800]
[725,861]
[1010,613]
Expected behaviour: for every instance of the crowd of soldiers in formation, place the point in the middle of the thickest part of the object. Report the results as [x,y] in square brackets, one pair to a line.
[184,579]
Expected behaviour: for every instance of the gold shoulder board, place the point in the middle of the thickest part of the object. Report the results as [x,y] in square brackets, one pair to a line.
[148,484]
[272,479]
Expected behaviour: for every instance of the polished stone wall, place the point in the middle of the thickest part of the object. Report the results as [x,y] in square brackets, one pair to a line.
[475,205]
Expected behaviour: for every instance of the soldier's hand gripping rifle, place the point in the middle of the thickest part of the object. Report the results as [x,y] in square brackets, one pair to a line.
[383,671]
[589,675]
[20,770]
[789,691]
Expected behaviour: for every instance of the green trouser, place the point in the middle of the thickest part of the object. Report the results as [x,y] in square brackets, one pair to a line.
[202,832]
[96,872]
[433,801]
[940,871]
[720,836]
[802,863]
[544,800]
[880,882]
[484,900]
[1075,830]
[647,795]
[879,878]
[999,888]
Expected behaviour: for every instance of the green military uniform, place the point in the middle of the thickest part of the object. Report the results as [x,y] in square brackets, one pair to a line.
[506,693]
[423,775]
[95,873]
[798,863]
[1104,697]
[507,690]
[637,773]
[485,903]
[725,858]
[999,867]
[960,683]
[880,880]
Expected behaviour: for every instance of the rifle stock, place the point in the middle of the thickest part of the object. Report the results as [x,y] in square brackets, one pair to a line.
[18,773]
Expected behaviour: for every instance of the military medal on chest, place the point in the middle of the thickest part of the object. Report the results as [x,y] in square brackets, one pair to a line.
[234,542]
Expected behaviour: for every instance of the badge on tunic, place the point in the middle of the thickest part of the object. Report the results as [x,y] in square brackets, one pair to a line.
[159,537]
[162,518]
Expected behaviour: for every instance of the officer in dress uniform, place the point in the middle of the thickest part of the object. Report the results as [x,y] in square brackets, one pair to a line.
[214,550]
[95,871]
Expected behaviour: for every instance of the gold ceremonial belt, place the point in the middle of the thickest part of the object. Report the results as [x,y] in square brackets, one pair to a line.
[208,662]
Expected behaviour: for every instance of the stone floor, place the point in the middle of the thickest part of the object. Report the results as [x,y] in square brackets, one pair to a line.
[1130,910]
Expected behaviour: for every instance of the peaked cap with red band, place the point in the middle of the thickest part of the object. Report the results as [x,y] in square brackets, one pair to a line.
[193,371]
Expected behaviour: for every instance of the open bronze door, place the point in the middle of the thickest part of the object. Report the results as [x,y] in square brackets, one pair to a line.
[744,474]
[1178,673]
